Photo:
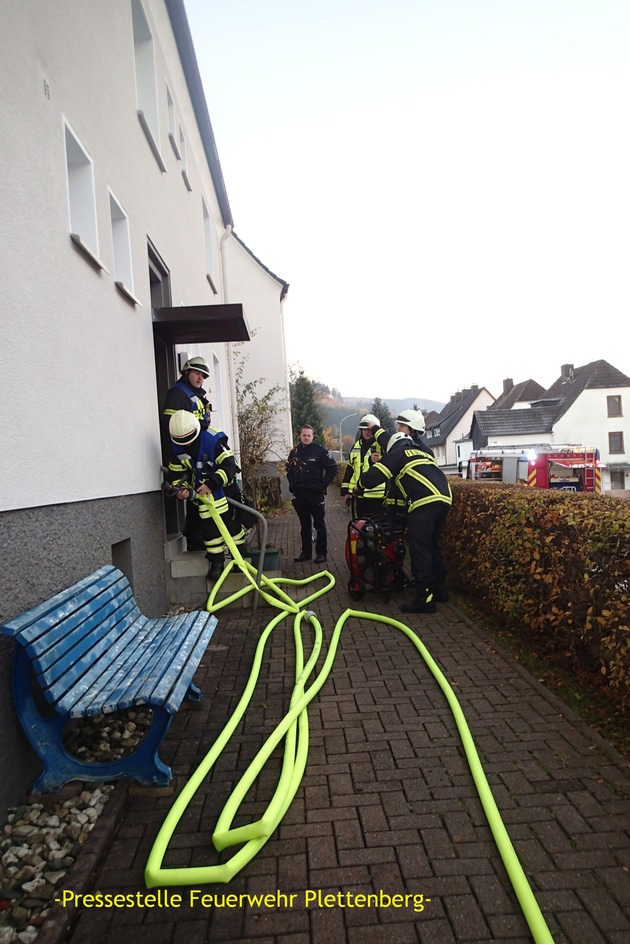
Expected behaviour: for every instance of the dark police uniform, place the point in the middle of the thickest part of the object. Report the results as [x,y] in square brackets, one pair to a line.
[310,470]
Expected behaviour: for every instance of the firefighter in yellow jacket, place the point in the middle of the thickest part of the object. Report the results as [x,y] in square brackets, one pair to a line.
[427,498]
[368,449]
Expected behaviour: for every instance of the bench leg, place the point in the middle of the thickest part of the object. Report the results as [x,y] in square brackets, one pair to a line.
[193,693]
[45,734]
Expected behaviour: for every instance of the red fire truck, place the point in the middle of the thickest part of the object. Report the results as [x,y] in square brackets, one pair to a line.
[568,467]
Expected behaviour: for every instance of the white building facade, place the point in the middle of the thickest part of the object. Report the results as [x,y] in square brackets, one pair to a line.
[113,260]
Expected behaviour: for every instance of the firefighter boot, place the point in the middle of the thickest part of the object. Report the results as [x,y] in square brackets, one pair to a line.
[216,567]
[424,602]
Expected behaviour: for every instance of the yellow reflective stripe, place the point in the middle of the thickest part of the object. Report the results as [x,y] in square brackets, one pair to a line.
[382,468]
[221,505]
[429,500]
[375,492]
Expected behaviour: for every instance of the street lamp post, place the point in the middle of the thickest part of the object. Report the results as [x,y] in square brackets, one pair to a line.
[341,422]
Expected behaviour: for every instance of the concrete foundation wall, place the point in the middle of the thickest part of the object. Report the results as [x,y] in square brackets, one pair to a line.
[45,550]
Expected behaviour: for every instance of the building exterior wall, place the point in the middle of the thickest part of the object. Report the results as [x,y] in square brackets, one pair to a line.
[587,423]
[448,454]
[80,445]
[265,356]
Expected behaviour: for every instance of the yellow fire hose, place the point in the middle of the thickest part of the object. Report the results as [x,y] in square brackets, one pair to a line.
[294,728]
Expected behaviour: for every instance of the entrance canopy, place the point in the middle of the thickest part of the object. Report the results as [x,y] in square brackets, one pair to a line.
[201,324]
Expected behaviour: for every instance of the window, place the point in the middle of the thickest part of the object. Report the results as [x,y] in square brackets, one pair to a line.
[184,158]
[172,124]
[617,479]
[81,196]
[121,245]
[614,406]
[615,443]
[208,246]
[146,92]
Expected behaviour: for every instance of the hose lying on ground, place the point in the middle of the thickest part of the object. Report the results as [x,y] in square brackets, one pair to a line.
[294,728]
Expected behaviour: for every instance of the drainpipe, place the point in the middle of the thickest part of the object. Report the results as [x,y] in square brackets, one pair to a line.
[235,440]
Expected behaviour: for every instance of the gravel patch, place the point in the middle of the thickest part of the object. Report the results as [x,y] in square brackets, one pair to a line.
[43,836]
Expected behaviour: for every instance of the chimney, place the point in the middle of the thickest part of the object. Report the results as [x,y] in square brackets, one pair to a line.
[567,373]
[474,388]
[508,384]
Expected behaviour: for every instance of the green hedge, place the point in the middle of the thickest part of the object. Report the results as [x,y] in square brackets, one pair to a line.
[553,565]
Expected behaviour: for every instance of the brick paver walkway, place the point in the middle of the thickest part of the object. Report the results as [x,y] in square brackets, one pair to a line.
[387,805]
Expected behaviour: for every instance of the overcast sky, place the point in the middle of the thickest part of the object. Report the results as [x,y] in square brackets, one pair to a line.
[445,184]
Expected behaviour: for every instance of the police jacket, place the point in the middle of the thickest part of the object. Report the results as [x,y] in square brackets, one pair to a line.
[412,474]
[183,396]
[208,460]
[310,468]
[359,461]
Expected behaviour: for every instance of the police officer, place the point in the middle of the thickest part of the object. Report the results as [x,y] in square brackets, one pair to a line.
[369,447]
[426,494]
[188,394]
[310,470]
[202,463]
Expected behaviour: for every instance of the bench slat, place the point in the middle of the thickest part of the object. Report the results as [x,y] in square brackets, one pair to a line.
[56,682]
[124,669]
[66,652]
[169,665]
[38,621]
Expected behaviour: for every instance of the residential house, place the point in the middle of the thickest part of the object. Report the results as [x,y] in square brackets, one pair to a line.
[587,406]
[264,358]
[118,259]
[453,423]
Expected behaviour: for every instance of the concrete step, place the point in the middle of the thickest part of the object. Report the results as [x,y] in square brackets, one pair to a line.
[187,583]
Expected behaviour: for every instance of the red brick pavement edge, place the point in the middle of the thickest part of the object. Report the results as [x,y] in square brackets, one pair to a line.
[387,806]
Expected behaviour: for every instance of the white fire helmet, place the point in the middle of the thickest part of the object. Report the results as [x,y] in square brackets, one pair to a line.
[183,427]
[197,363]
[414,419]
[369,420]
[396,437]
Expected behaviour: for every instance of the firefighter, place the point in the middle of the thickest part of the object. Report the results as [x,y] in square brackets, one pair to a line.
[424,489]
[310,470]
[202,463]
[188,394]
[369,447]
[411,423]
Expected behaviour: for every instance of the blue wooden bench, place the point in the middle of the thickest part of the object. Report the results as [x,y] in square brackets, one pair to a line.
[89,651]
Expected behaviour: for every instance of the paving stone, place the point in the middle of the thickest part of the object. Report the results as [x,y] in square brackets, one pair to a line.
[387,801]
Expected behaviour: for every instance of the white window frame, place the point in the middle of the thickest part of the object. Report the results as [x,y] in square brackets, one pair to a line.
[208,245]
[146,86]
[183,150]
[121,247]
[172,123]
[82,219]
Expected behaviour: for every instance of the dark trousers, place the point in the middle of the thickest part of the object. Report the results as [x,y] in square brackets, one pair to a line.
[369,507]
[424,528]
[311,510]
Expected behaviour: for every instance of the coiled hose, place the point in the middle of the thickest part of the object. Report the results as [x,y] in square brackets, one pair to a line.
[294,729]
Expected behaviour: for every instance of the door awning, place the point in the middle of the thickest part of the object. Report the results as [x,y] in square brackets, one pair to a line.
[201,324]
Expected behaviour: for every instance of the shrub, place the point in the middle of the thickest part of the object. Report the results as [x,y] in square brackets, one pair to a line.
[553,565]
